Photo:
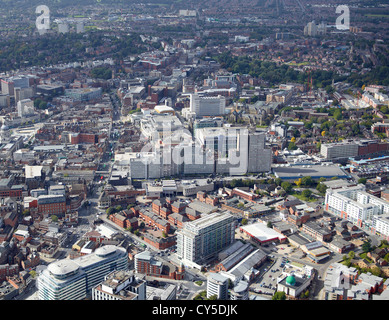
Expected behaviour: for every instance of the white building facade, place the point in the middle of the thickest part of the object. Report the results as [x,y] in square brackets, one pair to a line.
[74,279]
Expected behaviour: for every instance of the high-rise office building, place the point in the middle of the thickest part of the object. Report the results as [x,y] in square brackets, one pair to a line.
[207,106]
[25,107]
[339,150]
[63,27]
[80,27]
[74,279]
[312,29]
[237,151]
[259,157]
[201,239]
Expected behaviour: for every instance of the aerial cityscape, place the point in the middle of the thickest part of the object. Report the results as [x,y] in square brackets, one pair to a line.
[194,150]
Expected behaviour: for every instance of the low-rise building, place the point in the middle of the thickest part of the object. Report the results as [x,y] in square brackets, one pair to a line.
[120,285]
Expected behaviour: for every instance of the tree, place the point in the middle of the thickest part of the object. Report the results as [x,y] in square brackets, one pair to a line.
[375,270]
[337,114]
[384,244]
[42,105]
[244,221]
[298,182]
[101,73]
[366,246]
[362,180]
[384,109]
[351,254]
[322,188]
[287,186]
[307,181]
[54,218]
[292,146]
[279,295]
[355,128]
[269,224]
[306,193]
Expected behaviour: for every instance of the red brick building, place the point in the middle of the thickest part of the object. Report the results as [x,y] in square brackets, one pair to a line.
[154,220]
[249,196]
[160,243]
[8,189]
[7,270]
[178,206]
[119,219]
[124,219]
[95,236]
[178,220]
[203,197]
[11,219]
[52,205]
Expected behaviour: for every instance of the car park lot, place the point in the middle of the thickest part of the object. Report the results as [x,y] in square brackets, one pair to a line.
[266,283]
[271,270]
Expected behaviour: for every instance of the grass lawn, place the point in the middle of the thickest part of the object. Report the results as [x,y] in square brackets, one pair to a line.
[377,15]
[301,197]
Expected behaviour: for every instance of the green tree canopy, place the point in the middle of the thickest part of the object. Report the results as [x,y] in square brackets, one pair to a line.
[287,186]
[279,295]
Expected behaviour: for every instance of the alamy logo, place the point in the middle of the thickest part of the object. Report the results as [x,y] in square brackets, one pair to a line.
[343,21]
[227,148]
[343,280]
[43,21]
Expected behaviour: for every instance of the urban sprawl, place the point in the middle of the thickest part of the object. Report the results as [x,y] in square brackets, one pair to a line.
[200,150]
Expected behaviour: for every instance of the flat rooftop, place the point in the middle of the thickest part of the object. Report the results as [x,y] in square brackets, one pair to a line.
[261,232]
[314,171]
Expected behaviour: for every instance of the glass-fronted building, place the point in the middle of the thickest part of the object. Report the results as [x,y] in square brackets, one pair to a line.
[74,279]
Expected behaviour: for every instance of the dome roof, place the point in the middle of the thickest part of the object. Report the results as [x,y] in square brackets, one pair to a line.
[105,250]
[291,280]
[63,267]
